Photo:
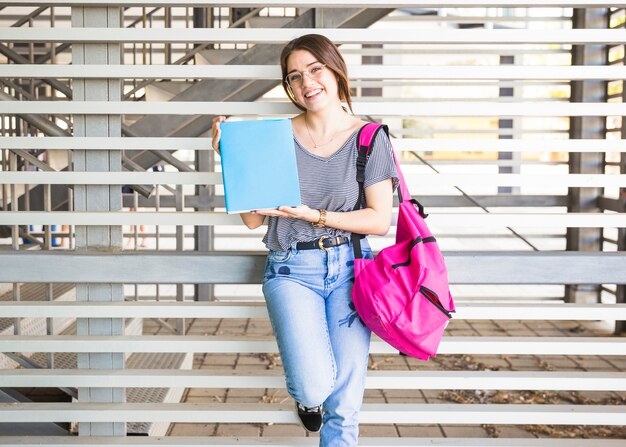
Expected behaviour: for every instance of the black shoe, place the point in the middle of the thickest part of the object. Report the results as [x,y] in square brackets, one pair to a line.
[311,418]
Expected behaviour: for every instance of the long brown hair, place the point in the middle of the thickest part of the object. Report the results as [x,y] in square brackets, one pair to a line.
[326,52]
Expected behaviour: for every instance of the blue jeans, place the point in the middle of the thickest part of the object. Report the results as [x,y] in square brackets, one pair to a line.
[323,344]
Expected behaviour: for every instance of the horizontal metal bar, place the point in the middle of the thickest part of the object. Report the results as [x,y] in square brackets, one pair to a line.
[400,144]
[215,178]
[516,145]
[286,441]
[247,268]
[340,36]
[414,108]
[387,72]
[114,178]
[283,414]
[464,311]
[447,49]
[205,218]
[132,15]
[327,3]
[462,18]
[532,200]
[404,380]
[222,344]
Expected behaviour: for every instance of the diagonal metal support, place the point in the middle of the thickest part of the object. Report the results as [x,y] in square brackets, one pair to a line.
[33,160]
[19,59]
[56,50]
[58,192]
[27,363]
[188,56]
[25,19]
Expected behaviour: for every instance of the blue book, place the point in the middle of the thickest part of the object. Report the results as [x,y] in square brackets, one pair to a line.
[259,165]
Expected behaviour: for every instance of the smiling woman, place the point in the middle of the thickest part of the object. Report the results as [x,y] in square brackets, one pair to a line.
[325,54]
[310,266]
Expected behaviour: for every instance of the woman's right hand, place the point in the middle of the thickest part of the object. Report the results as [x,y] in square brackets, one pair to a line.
[217,132]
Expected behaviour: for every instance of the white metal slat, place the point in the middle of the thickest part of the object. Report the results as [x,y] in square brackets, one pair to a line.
[273,413]
[397,380]
[241,108]
[286,441]
[464,311]
[540,220]
[400,144]
[215,178]
[339,36]
[223,344]
[517,145]
[328,3]
[498,267]
[386,72]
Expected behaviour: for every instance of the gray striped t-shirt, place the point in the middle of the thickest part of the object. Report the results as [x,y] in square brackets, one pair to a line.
[330,184]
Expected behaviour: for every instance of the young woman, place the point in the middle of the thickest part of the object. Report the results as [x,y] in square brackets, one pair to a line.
[309,270]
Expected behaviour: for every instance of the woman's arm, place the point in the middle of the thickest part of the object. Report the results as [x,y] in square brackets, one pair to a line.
[252,220]
[375,219]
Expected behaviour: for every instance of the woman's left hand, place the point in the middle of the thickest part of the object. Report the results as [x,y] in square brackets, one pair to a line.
[302,212]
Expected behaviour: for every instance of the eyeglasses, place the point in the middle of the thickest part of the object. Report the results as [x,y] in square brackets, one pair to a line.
[296,78]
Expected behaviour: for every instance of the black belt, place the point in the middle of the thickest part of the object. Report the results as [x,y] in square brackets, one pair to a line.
[323,243]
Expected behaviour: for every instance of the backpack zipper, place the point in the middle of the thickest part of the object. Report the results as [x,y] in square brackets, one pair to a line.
[434,299]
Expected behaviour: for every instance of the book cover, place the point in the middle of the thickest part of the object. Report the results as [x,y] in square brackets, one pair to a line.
[259,167]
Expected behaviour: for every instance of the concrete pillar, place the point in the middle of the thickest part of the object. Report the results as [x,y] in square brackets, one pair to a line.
[98,198]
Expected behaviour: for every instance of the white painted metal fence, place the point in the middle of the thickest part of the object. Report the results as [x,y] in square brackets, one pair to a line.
[109,266]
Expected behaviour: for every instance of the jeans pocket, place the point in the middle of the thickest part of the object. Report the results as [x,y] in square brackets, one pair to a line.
[366,250]
[277,257]
[367,254]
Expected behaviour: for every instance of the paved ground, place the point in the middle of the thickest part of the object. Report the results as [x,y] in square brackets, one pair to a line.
[258,362]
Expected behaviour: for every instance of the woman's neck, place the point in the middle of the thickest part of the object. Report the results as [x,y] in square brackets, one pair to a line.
[327,122]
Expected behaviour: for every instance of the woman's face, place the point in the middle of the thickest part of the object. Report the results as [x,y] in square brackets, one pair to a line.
[317,89]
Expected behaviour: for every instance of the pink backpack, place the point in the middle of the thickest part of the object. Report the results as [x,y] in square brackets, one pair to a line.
[402,295]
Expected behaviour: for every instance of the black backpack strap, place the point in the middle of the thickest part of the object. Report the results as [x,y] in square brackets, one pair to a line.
[364,148]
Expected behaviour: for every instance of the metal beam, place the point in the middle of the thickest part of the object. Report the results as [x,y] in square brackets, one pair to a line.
[386,108]
[279,36]
[464,310]
[395,380]
[427,201]
[292,441]
[248,267]
[438,220]
[356,72]
[52,177]
[328,3]
[526,345]
[590,127]
[400,144]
